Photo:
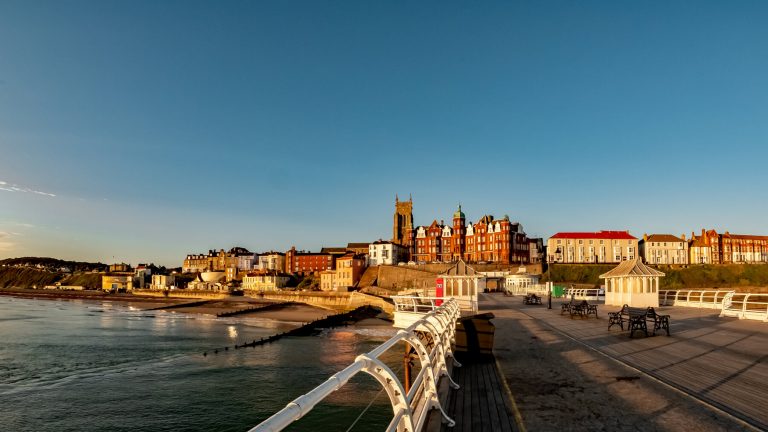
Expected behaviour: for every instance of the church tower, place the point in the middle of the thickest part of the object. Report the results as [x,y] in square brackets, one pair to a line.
[402,229]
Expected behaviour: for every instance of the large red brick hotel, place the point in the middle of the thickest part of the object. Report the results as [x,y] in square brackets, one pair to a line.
[489,240]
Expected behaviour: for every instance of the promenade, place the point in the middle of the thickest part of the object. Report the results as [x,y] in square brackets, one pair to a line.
[574,374]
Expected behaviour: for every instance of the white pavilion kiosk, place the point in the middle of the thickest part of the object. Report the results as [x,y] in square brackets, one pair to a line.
[463,283]
[632,283]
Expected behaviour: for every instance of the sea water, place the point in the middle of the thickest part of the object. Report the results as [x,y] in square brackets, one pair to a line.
[71,365]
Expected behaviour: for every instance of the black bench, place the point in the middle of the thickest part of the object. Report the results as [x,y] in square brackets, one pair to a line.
[531,299]
[583,309]
[637,319]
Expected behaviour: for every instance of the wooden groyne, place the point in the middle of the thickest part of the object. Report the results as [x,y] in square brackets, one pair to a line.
[180,305]
[261,307]
[310,328]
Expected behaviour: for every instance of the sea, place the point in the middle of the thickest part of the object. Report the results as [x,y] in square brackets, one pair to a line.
[78,365]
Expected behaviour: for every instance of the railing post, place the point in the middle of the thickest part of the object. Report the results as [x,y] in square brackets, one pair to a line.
[744,307]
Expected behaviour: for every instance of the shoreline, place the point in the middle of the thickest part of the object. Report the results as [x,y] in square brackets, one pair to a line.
[294,313]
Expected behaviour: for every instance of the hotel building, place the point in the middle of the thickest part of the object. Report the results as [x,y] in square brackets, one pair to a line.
[591,247]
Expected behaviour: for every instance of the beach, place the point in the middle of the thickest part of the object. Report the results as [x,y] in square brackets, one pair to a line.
[292,313]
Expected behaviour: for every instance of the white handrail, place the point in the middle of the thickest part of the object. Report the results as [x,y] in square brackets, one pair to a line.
[409,409]
[540,289]
[707,299]
[584,293]
[428,304]
[741,305]
[734,304]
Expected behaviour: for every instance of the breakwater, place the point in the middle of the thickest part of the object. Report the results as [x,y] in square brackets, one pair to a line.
[252,309]
[310,328]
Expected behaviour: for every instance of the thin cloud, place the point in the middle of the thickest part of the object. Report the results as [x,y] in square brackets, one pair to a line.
[4,244]
[10,187]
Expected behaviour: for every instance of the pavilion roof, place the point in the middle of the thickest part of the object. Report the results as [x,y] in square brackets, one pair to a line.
[633,267]
[461,269]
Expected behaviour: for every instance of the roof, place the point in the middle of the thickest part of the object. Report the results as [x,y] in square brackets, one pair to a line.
[618,235]
[746,236]
[357,245]
[458,213]
[314,253]
[633,267]
[664,238]
[351,255]
[460,269]
[266,272]
[336,250]
[378,242]
[699,242]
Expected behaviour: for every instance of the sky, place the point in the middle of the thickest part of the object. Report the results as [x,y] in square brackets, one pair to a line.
[144,131]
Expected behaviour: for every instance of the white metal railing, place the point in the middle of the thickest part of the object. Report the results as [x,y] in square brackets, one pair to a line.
[410,409]
[745,306]
[539,289]
[585,293]
[705,299]
[427,304]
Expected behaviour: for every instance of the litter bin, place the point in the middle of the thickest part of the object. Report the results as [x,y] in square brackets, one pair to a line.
[558,291]
[474,336]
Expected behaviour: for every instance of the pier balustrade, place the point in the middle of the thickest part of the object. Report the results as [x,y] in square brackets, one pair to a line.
[585,293]
[731,304]
[746,306]
[431,337]
[705,299]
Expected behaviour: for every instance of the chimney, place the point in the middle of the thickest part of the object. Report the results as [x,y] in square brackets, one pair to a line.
[442,222]
[683,237]
[703,233]
[645,237]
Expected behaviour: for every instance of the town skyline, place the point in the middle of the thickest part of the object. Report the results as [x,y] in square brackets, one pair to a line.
[268,125]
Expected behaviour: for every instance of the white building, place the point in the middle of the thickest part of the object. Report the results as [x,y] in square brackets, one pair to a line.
[632,283]
[162,282]
[265,280]
[591,247]
[247,262]
[272,261]
[386,253]
[520,282]
[663,249]
[463,283]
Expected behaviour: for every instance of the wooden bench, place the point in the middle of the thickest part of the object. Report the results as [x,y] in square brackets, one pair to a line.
[637,319]
[531,299]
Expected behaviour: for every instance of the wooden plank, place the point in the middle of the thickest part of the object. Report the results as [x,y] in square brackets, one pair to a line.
[499,417]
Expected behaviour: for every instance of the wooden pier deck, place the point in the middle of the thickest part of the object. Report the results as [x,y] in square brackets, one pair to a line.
[481,403]
[710,374]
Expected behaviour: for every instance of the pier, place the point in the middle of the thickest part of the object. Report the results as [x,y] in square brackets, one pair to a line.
[711,373]
[552,371]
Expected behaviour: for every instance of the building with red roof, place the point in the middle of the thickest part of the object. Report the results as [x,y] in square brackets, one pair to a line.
[591,247]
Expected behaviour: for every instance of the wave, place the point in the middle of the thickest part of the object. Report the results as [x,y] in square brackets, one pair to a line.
[58,379]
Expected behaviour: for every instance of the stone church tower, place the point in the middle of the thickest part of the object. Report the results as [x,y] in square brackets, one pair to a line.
[402,229]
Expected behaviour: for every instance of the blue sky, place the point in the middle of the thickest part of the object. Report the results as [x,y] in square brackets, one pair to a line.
[142,131]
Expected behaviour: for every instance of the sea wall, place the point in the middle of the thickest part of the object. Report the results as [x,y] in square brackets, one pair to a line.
[189,294]
[329,300]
